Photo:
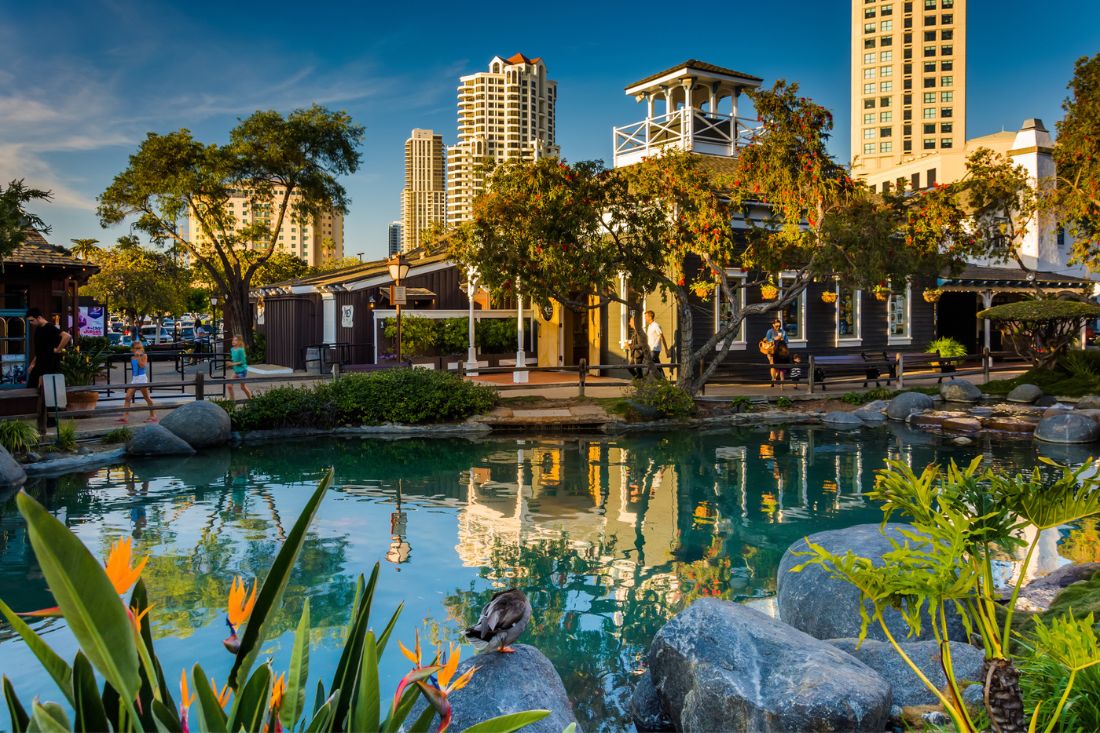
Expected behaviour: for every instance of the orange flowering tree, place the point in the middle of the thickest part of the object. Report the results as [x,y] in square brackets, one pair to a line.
[1077,155]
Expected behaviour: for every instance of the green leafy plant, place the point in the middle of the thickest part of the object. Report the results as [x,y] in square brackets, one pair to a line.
[1042,329]
[419,335]
[257,350]
[118,435]
[946,347]
[784,403]
[18,436]
[665,398]
[862,398]
[962,519]
[115,640]
[741,404]
[66,435]
[81,366]
[496,335]
[452,335]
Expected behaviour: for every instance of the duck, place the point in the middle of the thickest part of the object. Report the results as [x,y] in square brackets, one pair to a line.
[502,621]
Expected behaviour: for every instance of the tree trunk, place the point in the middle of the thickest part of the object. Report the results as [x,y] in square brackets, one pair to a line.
[238,314]
[1003,700]
[685,345]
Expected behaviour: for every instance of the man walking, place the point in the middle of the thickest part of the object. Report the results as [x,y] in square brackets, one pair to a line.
[656,340]
[49,342]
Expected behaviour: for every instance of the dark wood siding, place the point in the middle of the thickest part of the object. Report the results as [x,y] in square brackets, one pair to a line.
[291,323]
[361,334]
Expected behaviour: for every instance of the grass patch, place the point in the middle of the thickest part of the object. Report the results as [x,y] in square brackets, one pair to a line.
[66,435]
[617,406]
[18,436]
[118,435]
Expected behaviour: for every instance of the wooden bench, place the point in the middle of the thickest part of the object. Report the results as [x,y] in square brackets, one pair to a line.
[923,361]
[868,366]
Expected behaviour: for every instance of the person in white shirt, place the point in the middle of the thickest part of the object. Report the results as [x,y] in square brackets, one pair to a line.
[656,339]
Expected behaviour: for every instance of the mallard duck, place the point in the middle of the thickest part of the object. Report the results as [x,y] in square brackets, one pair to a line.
[502,621]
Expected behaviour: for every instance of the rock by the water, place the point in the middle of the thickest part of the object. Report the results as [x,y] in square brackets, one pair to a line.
[509,683]
[723,666]
[1088,402]
[960,390]
[908,689]
[907,403]
[1089,412]
[962,440]
[1037,595]
[646,709]
[1057,409]
[962,425]
[1068,428]
[12,474]
[826,608]
[202,424]
[156,440]
[873,412]
[840,419]
[1024,394]
[1045,401]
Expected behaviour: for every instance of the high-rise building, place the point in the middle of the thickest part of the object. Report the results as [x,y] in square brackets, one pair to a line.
[424,198]
[908,80]
[504,113]
[315,240]
[393,234]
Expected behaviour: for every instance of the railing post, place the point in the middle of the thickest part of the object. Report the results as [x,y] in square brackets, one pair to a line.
[582,371]
[813,373]
[335,371]
[901,371]
[200,386]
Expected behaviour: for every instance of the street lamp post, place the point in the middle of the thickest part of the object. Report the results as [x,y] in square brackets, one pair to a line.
[471,353]
[399,267]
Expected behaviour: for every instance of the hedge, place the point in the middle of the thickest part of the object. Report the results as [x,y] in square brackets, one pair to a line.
[1026,311]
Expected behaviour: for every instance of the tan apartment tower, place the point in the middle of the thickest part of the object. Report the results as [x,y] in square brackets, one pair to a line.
[424,198]
[908,81]
[504,113]
[315,241]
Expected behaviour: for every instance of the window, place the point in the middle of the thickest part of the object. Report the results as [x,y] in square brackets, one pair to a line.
[907,69]
[929,67]
[929,97]
[931,176]
[929,35]
[947,4]
[847,313]
[885,116]
[907,84]
[868,27]
[929,143]
[869,119]
[793,315]
[930,20]
[907,23]
[929,113]
[907,130]
[869,58]
[947,96]
[885,131]
[886,10]
[886,25]
[947,81]
[888,86]
[869,103]
[884,102]
[907,38]
[908,99]
[947,19]
[868,88]
[929,81]
[886,147]
[868,42]
[886,56]
[946,111]
[914,181]
[897,315]
[869,73]
[723,313]
[908,7]
[947,35]
[907,146]
[869,149]
[929,4]
[907,115]
[929,51]
[930,129]
[947,50]
[947,65]
[946,143]
[886,41]
[886,71]
[907,54]
[947,127]
[868,12]
[869,133]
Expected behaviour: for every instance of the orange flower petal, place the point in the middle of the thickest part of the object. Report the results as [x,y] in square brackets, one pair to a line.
[449,668]
[408,655]
[185,696]
[463,680]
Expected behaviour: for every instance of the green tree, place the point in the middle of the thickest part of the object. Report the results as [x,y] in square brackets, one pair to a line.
[139,282]
[85,249]
[15,220]
[1077,155]
[288,166]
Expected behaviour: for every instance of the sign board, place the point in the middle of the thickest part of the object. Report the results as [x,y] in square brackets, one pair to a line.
[93,320]
[397,294]
[347,316]
[53,388]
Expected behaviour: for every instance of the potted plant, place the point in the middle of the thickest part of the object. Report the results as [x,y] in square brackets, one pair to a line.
[828,296]
[932,295]
[80,367]
[946,347]
[881,292]
[768,291]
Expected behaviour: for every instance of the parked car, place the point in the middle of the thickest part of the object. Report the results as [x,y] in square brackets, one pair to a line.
[119,339]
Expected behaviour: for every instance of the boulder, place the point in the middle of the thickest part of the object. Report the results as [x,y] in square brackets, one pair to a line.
[1089,412]
[157,440]
[872,413]
[960,390]
[202,424]
[907,687]
[1024,394]
[842,420]
[1010,425]
[962,425]
[1088,402]
[828,608]
[1045,401]
[962,440]
[509,683]
[12,474]
[723,666]
[1037,595]
[1068,428]
[907,403]
[646,709]
[1057,409]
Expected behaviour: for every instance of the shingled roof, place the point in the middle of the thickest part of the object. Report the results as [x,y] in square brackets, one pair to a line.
[693,64]
[37,251]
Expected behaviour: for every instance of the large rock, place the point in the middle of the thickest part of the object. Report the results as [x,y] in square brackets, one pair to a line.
[201,423]
[509,683]
[1068,428]
[873,412]
[156,440]
[907,403]
[907,687]
[12,474]
[960,390]
[841,420]
[646,708]
[827,608]
[721,666]
[1088,402]
[1037,595]
[1024,394]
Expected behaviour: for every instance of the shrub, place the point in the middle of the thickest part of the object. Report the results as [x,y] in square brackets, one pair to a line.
[66,435]
[419,335]
[257,352]
[496,335]
[862,398]
[947,347]
[407,396]
[663,396]
[452,335]
[741,404]
[1042,329]
[784,403]
[118,435]
[94,344]
[18,436]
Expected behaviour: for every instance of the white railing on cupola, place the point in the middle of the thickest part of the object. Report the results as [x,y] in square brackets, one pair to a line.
[688,129]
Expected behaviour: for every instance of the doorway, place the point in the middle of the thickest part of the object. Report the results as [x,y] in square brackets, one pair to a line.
[576,336]
[956,317]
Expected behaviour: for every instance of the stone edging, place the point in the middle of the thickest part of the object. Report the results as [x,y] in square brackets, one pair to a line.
[70,464]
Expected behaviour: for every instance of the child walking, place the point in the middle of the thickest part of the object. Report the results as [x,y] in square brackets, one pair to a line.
[238,359]
[139,380]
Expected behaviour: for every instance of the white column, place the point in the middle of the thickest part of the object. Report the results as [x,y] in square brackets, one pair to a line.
[328,318]
[648,106]
[519,376]
[624,317]
[471,353]
[987,302]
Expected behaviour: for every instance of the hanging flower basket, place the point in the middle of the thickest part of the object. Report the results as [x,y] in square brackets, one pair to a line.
[702,289]
[769,292]
[932,295]
[881,293]
[828,296]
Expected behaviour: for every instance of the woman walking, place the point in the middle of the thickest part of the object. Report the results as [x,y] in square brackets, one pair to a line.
[779,353]
[139,381]
[238,359]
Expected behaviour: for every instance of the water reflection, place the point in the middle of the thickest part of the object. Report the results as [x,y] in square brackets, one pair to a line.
[608,537]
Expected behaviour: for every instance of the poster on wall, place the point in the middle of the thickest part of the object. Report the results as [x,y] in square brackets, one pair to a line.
[347,316]
[93,320]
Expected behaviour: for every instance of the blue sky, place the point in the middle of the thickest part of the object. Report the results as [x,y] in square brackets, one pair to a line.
[83,81]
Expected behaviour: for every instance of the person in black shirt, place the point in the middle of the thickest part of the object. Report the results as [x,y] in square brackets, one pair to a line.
[49,342]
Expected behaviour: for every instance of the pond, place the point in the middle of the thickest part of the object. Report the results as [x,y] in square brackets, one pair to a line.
[608,536]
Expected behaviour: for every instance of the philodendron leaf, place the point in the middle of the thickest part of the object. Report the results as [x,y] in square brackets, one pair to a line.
[94,612]
[508,723]
[57,668]
[271,592]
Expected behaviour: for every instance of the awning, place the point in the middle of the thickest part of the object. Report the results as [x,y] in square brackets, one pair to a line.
[976,278]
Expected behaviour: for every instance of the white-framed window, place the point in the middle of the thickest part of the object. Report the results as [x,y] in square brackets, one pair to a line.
[869,73]
[868,88]
[886,147]
[848,307]
[885,56]
[885,116]
[899,316]
[886,86]
[723,312]
[869,118]
[869,58]
[869,133]
[886,71]
[793,314]
[868,148]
